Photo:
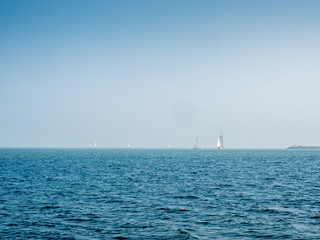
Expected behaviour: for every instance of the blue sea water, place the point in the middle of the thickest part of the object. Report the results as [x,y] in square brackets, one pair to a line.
[159,194]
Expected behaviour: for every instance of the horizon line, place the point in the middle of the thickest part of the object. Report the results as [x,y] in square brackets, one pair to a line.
[204,148]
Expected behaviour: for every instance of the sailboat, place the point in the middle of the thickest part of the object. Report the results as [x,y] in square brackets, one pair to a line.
[220,144]
[196,145]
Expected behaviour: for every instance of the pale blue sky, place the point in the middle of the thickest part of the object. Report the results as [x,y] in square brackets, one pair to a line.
[154,73]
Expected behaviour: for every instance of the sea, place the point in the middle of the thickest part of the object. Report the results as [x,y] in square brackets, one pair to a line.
[159,194]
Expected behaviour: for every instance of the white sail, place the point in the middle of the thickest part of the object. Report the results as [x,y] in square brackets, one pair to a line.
[196,146]
[95,144]
[220,144]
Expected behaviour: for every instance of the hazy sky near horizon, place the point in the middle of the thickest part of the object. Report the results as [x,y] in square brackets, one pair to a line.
[154,73]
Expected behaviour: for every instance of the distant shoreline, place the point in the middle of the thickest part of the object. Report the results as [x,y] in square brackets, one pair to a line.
[304,147]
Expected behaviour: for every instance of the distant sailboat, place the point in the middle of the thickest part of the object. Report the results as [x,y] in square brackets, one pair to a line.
[220,144]
[95,144]
[196,145]
[128,145]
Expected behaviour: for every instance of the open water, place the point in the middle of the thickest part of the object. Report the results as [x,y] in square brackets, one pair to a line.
[159,194]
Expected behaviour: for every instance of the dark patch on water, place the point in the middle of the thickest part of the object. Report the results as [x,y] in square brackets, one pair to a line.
[187,197]
[173,210]
[182,234]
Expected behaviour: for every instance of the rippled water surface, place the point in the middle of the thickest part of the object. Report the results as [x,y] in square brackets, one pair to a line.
[159,194]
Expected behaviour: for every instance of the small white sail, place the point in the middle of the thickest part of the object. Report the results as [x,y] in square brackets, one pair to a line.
[95,144]
[196,146]
[220,144]
[128,145]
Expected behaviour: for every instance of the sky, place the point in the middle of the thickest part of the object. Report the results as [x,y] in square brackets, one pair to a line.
[159,72]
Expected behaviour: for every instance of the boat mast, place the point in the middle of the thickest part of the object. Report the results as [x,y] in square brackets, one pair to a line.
[196,145]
